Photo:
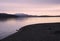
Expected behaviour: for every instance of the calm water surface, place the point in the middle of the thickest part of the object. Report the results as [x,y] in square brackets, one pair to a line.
[9,26]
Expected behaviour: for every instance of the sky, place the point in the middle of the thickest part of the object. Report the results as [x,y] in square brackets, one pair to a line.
[33,7]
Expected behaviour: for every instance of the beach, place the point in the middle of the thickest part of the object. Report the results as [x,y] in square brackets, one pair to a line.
[36,32]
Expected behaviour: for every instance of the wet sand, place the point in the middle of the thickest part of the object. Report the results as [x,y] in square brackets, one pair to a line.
[36,32]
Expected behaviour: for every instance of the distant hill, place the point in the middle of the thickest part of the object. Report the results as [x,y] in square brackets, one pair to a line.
[26,15]
[21,15]
[5,15]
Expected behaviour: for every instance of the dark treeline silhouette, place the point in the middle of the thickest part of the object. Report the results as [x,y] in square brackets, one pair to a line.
[5,15]
[43,16]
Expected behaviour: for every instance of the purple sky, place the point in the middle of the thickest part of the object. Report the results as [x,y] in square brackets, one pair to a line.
[38,7]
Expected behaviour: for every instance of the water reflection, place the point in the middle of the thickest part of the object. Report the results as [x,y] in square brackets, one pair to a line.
[10,25]
[6,19]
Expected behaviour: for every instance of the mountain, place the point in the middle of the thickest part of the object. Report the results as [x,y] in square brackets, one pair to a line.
[21,15]
[5,15]
[26,15]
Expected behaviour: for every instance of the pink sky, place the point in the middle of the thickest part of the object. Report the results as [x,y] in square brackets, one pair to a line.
[44,7]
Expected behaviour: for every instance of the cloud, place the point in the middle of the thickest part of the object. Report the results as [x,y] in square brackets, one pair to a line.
[33,1]
[29,6]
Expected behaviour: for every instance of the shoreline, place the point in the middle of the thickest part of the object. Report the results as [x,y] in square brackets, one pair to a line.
[36,32]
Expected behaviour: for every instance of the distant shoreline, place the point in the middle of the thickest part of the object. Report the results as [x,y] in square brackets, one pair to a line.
[4,15]
[39,16]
